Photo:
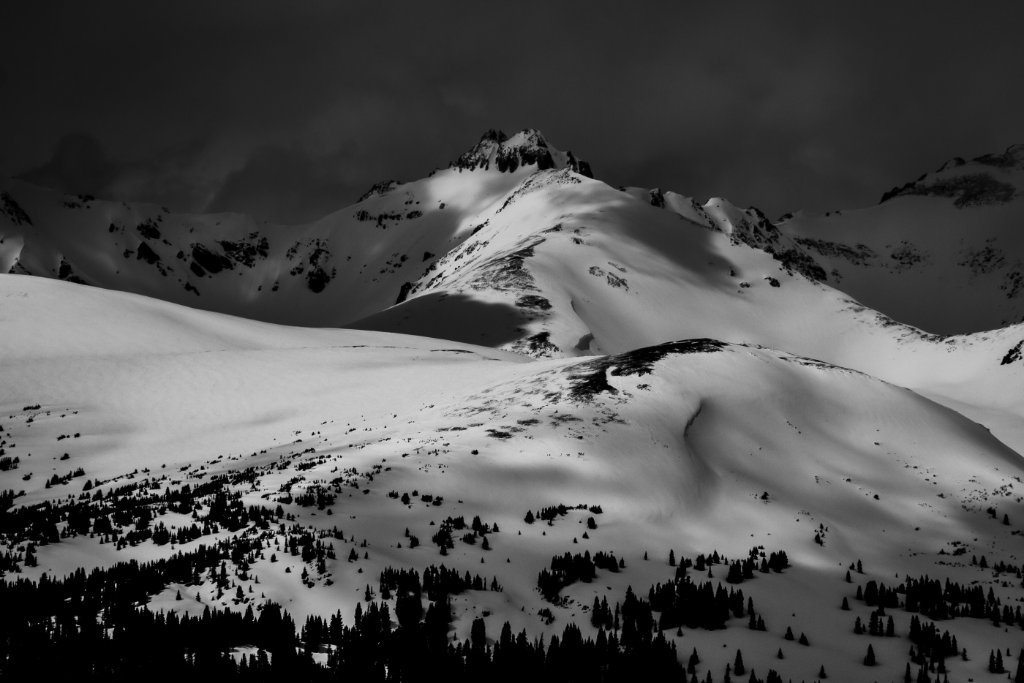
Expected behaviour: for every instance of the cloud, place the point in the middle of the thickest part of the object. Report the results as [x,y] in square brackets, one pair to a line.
[288,113]
[77,164]
[286,185]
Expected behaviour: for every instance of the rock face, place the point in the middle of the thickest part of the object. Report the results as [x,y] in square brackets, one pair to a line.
[526,148]
[976,182]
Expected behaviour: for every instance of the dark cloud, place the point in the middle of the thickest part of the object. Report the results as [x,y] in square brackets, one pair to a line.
[285,185]
[780,105]
[77,164]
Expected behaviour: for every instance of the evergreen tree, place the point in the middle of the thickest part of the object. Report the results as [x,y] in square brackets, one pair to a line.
[737,666]
[478,635]
[869,658]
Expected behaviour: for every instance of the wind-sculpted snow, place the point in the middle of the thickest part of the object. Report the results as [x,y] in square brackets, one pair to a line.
[318,469]
[549,263]
[590,378]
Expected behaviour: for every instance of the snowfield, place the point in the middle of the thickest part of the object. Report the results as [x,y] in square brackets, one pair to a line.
[657,366]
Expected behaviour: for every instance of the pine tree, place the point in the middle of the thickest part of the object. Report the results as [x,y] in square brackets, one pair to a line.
[869,658]
[737,666]
[1019,676]
[846,605]
[803,639]
[478,635]
[789,633]
[821,673]
[907,677]
[671,558]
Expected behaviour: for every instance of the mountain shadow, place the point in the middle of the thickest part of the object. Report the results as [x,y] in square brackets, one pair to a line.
[455,317]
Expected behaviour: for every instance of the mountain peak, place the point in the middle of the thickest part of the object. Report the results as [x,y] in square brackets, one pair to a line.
[986,179]
[1013,157]
[528,147]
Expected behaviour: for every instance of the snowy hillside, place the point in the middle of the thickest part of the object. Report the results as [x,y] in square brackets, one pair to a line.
[933,250]
[533,427]
[691,447]
[569,266]
[344,266]
[513,246]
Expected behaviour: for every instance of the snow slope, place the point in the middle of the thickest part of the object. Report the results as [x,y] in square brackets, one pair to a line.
[691,446]
[570,266]
[942,253]
[513,246]
[344,266]
[514,344]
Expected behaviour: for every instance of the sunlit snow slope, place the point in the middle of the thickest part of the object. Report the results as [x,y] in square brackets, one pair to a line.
[518,336]
[691,446]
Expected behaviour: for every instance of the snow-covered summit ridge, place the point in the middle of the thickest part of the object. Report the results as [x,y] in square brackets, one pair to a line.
[527,147]
[986,179]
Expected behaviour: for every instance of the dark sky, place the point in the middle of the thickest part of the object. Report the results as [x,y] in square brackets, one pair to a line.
[291,110]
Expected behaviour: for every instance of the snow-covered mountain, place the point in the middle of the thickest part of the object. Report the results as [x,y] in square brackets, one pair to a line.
[692,447]
[347,265]
[942,253]
[532,363]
